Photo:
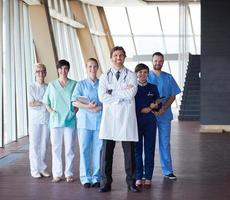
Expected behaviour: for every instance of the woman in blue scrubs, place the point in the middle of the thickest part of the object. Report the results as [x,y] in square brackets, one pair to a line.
[85,97]
[146,104]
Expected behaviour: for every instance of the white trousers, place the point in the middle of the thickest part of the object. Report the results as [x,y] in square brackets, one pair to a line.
[38,138]
[57,136]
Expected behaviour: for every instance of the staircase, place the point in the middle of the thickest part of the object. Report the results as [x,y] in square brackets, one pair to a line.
[190,104]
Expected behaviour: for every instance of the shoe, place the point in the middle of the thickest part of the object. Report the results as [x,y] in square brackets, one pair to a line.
[87,185]
[45,174]
[56,179]
[133,188]
[147,184]
[36,175]
[105,188]
[171,176]
[96,185]
[69,179]
[138,183]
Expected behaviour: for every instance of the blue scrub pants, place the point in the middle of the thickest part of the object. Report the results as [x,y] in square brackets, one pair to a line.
[90,148]
[148,133]
[164,132]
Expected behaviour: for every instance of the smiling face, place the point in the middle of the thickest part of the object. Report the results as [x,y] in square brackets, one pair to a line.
[40,73]
[157,62]
[118,58]
[91,68]
[63,72]
[142,75]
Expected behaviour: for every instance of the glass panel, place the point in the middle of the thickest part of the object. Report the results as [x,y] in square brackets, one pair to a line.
[130,65]
[144,20]
[148,45]
[172,44]
[9,74]
[169,15]
[117,19]
[196,18]
[1,76]
[17,64]
[198,44]
[126,43]
[190,45]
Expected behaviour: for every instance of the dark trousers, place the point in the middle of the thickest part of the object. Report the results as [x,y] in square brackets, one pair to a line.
[107,161]
[146,132]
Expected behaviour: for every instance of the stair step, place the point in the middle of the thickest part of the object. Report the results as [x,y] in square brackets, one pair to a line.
[188,113]
[191,87]
[190,107]
[191,92]
[189,118]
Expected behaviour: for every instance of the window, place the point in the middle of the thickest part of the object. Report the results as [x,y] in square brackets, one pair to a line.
[18,60]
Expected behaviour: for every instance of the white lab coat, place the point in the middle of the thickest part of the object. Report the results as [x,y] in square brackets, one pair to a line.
[119,115]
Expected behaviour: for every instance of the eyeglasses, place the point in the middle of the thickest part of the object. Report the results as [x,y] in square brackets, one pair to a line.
[41,71]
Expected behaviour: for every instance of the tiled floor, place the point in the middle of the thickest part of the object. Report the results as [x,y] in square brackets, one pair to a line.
[201,162]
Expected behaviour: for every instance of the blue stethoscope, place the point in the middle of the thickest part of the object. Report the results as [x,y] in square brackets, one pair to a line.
[110,72]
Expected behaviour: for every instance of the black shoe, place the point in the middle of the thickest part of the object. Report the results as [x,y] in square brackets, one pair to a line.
[96,185]
[171,176]
[133,188]
[87,185]
[105,188]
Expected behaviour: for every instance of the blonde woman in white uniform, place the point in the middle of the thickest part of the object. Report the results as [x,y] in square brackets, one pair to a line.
[38,124]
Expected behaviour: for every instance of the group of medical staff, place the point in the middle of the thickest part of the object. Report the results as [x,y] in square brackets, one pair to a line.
[121,106]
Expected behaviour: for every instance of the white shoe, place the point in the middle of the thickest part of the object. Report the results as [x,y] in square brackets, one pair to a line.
[36,175]
[45,173]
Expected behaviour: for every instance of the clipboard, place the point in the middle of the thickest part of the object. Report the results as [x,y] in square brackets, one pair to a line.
[83,99]
[160,99]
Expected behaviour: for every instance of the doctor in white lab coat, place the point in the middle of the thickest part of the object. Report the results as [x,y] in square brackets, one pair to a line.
[117,89]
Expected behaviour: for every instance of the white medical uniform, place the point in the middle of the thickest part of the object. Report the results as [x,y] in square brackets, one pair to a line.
[118,121]
[38,129]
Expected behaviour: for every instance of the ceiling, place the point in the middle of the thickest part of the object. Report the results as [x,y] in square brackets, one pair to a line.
[128,2]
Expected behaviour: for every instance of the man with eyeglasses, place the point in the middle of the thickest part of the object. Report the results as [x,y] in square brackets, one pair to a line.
[38,124]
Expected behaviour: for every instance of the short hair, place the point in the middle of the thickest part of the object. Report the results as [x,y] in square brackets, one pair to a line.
[39,65]
[140,67]
[117,48]
[93,59]
[61,63]
[158,54]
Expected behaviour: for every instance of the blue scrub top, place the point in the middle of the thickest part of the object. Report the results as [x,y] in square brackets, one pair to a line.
[167,87]
[86,119]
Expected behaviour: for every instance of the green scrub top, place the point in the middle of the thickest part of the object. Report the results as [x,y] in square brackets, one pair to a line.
[59,99]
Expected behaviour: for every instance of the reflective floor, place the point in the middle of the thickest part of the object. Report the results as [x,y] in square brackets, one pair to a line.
[201,162]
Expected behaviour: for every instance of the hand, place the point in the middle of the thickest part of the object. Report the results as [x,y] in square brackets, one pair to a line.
[146,110]
[129,86]
[74,103]
[154,105]
[160,112]
[92,105]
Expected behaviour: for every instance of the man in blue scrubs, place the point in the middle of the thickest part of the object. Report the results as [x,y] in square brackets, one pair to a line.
[168,88]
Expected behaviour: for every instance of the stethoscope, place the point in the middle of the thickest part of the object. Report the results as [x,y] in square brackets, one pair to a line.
[111,77]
